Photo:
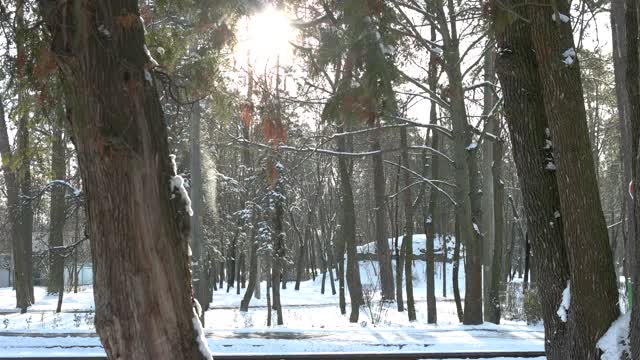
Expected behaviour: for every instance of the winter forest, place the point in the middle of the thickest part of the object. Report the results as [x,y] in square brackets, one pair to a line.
[321,179]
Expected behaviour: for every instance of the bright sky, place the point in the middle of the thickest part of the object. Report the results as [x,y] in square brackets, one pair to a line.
[263,38]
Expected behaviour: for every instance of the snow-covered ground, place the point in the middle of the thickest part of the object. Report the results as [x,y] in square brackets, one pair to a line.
[312,322]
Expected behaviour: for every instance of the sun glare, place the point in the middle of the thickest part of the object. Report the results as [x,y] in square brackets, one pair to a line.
[263,39]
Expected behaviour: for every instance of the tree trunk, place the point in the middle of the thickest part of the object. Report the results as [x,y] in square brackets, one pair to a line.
[12,198]
[407,239]
[24,234]
[382,244]
[139,236]
[527,121]
[487,152]
[398,251]
[430,208]
[254,283]
[627,72]
[348,233]
[466,176]
[198,259]
[493,300]
[593,281]
[55,282]
[456,269]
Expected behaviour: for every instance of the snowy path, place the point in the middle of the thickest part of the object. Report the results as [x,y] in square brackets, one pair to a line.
[287,341]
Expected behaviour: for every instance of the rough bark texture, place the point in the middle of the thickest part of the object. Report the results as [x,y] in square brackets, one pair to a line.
[524,108]
[139,236]
[55,281]
[593,281]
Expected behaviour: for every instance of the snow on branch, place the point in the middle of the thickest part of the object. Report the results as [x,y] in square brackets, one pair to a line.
[428,181]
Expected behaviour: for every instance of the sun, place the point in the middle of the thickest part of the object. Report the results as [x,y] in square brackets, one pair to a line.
[264,39]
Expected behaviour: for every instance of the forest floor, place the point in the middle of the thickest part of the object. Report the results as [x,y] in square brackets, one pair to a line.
[312,323]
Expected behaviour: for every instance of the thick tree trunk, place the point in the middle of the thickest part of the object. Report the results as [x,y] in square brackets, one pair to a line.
[382,244]
[527,121]
[55,282]
[593,281]
[24,235]
[627,71]
[139,236]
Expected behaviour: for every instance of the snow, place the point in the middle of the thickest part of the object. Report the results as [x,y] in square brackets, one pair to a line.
[569,56]
[551,166]
[104,31]
[203,345]
[472,146]
[615,342]
[176,183]
[153,61]
[565,303]
[312,321]
[419,244]
[563,18]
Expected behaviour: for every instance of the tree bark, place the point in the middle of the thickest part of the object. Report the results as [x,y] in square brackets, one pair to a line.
[456,269]
[139,236]
[382,244]
[627,71]
[495,287]
[490,124]
[430,209]
[348,233]
[11,184]
[525,116]
[407,239]
[55,281]
[399,252]
[593,281]
[198,259]
[466,171]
